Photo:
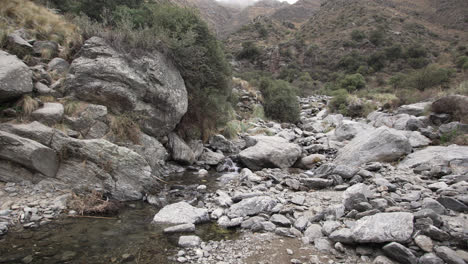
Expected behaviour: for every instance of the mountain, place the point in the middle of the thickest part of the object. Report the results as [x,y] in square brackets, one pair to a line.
[297,12]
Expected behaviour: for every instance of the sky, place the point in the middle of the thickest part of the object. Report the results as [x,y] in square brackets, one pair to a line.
[249,2]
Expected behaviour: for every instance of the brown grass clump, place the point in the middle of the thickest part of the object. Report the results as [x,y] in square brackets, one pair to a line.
[40,23]
[125,128]
[27,105]
[93,203]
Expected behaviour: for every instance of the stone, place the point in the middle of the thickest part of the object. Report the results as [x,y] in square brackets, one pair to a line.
[279,219]
[316,183]
[181,213]
[301,223]
[349,129]
[323,244]
[28,153]
[417,140]
[180,228]
[355,194]
[453,204]
[180,151]
[17,44]
[313,231]
[148,84]
[383,227]
[225,222]
[399,252]
[454,105]
[345,172]
[424,242]
[43,89]
[46,49]
[448,255]
[343,235]
[211,158]
[430,258]
[252,206]
[152,150]
[219,142]
[329,226]
[58,65]
[382,260]
[310,161]
[189,241]
[15,77]
[50,114]
[382,144]
[417,109]
[429,203]
[270,152]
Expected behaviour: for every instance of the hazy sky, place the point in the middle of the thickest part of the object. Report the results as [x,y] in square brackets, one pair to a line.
[249,2]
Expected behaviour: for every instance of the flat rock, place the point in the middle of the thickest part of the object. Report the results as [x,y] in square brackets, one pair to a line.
[383,227]
[180,228]
[399,252]
[252,206]
[189,241]
[15,77]
[50,114]
[181,213]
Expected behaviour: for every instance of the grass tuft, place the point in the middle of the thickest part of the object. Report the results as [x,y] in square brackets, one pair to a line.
[125,128]
[26,106]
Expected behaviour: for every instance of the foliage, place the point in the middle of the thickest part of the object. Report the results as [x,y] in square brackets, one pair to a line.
[249,51]
[352,82]
[124,128]
[352,62]
[280,100]
[376,37]
[377,60]
[358,35]
[462,62]
[427,77]
[394,52]
[416,51]
[26,105]
[339,100]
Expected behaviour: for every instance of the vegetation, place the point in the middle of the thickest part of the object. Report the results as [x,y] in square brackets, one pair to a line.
[249,51]
[26,105]
[280,100]
[352,82]
[125,128]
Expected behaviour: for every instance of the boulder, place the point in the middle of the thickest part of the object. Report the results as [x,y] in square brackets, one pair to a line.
[91,122]
[378,119]
[180,151]
[210,157]
[456,105]
[189,241]
[399,252]
[152,150]
[454,156]
[270,152]
[46,49]
[349,129]
[34,131]
[251,206]
[15,77]
[29,153]
[17,44]
[448,255]
[383,227]
[50,114]
[181,213]
[219,142]
[148,85]
[382,144]
[417,109]
[58,65]
[14,172]
[310,161]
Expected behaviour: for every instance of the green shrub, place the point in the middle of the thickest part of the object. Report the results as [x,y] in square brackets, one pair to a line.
[427,77]
[352,62]
[418,63]
[352,82]
[377,37]
[280,100]
[416,51]
[462,62]
[339,101]
[394,52]
[358,35]
[249,51]
[377,60]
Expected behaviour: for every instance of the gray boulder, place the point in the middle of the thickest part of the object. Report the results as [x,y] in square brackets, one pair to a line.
[148,85]
[189,241]
[219,142]
[399,252]
[417,109]
[14,172]
[152,150]
[58,65]
[270,152]
[15,77]
[181,213]
[48,49]
[251,206]
[180,151]
[448,255]
[17,44]
[383,227]
[382,144]
[50,114]
[349,129]
[29,153]
[210,157]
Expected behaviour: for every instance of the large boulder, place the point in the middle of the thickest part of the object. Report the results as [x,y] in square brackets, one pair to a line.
[180,151]
[152,150]
[15,77]
[383,227]
[382,144]
[50,114]
[452,104]
[270,152]
[252,206]
[28,153]
[149,85]
[349,129]
[399,121]
[453,156]
[417,109]
[181,213]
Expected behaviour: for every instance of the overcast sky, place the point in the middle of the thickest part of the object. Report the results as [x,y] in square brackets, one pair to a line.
[249,2]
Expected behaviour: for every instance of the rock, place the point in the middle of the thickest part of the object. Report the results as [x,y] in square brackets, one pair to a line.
[355,194]
[58,65]
[180,228]
[225,222]
[251,206]
[429,203]
[189,241]
[316,183]
[399,252]
[343,235]
[417,140]
[329,226]
[279,219]
[180,151]
[46,49]
[417,109]
[50,114]
[383,227]
[28,153]
[15,77]
[424,242]
[34,131]
[181,213]
[448,255]
[430,258]
[211,158]
[349,129]
[453,204]
[452,156]
[345,172]
[270,152]
[313,231]
[219,142]
[152,150]
[454,105]
[382,144]
[453,128]
[148,85]
[17,44]
[323,244]
[310,161]
[301,223]
[43,89]
[14,172]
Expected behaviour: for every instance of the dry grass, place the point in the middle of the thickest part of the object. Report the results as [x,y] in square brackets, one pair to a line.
[40,23]
[27,105]
[93,203]
[47,98]
[126,128]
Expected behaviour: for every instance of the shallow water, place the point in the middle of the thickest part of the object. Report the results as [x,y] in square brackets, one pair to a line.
[129,237]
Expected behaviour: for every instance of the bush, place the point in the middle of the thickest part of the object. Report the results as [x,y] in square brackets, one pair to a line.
[358,35]
[462,62]
[249,51]
[280,100]
[339,101]
[418,63]
[352,82]
[427,77]
[416,51]
[394,52]
[377,61]
[377,37]
[352,62]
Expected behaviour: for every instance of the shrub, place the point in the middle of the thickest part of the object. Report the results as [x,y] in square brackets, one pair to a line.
[377,60]
[358,35]
[416,51]
[394,52]
[339,100]
[418,63]
[352,62]
[428,77]
[249,51]
[377,37]
[352,82]
[280,100]
[462,62]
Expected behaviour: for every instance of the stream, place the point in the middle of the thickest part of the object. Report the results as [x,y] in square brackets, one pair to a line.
[128,237]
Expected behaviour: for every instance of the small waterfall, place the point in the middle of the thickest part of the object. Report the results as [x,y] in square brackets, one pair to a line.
[228,166]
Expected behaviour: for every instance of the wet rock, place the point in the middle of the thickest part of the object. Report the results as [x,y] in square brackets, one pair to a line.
[181,213]
[15,77]
[383,227]
[180,151]
[189,241]
[251,206]
[180,228]
[270,152]
[211,158]
[399,252]
[225,222]
[219,142]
